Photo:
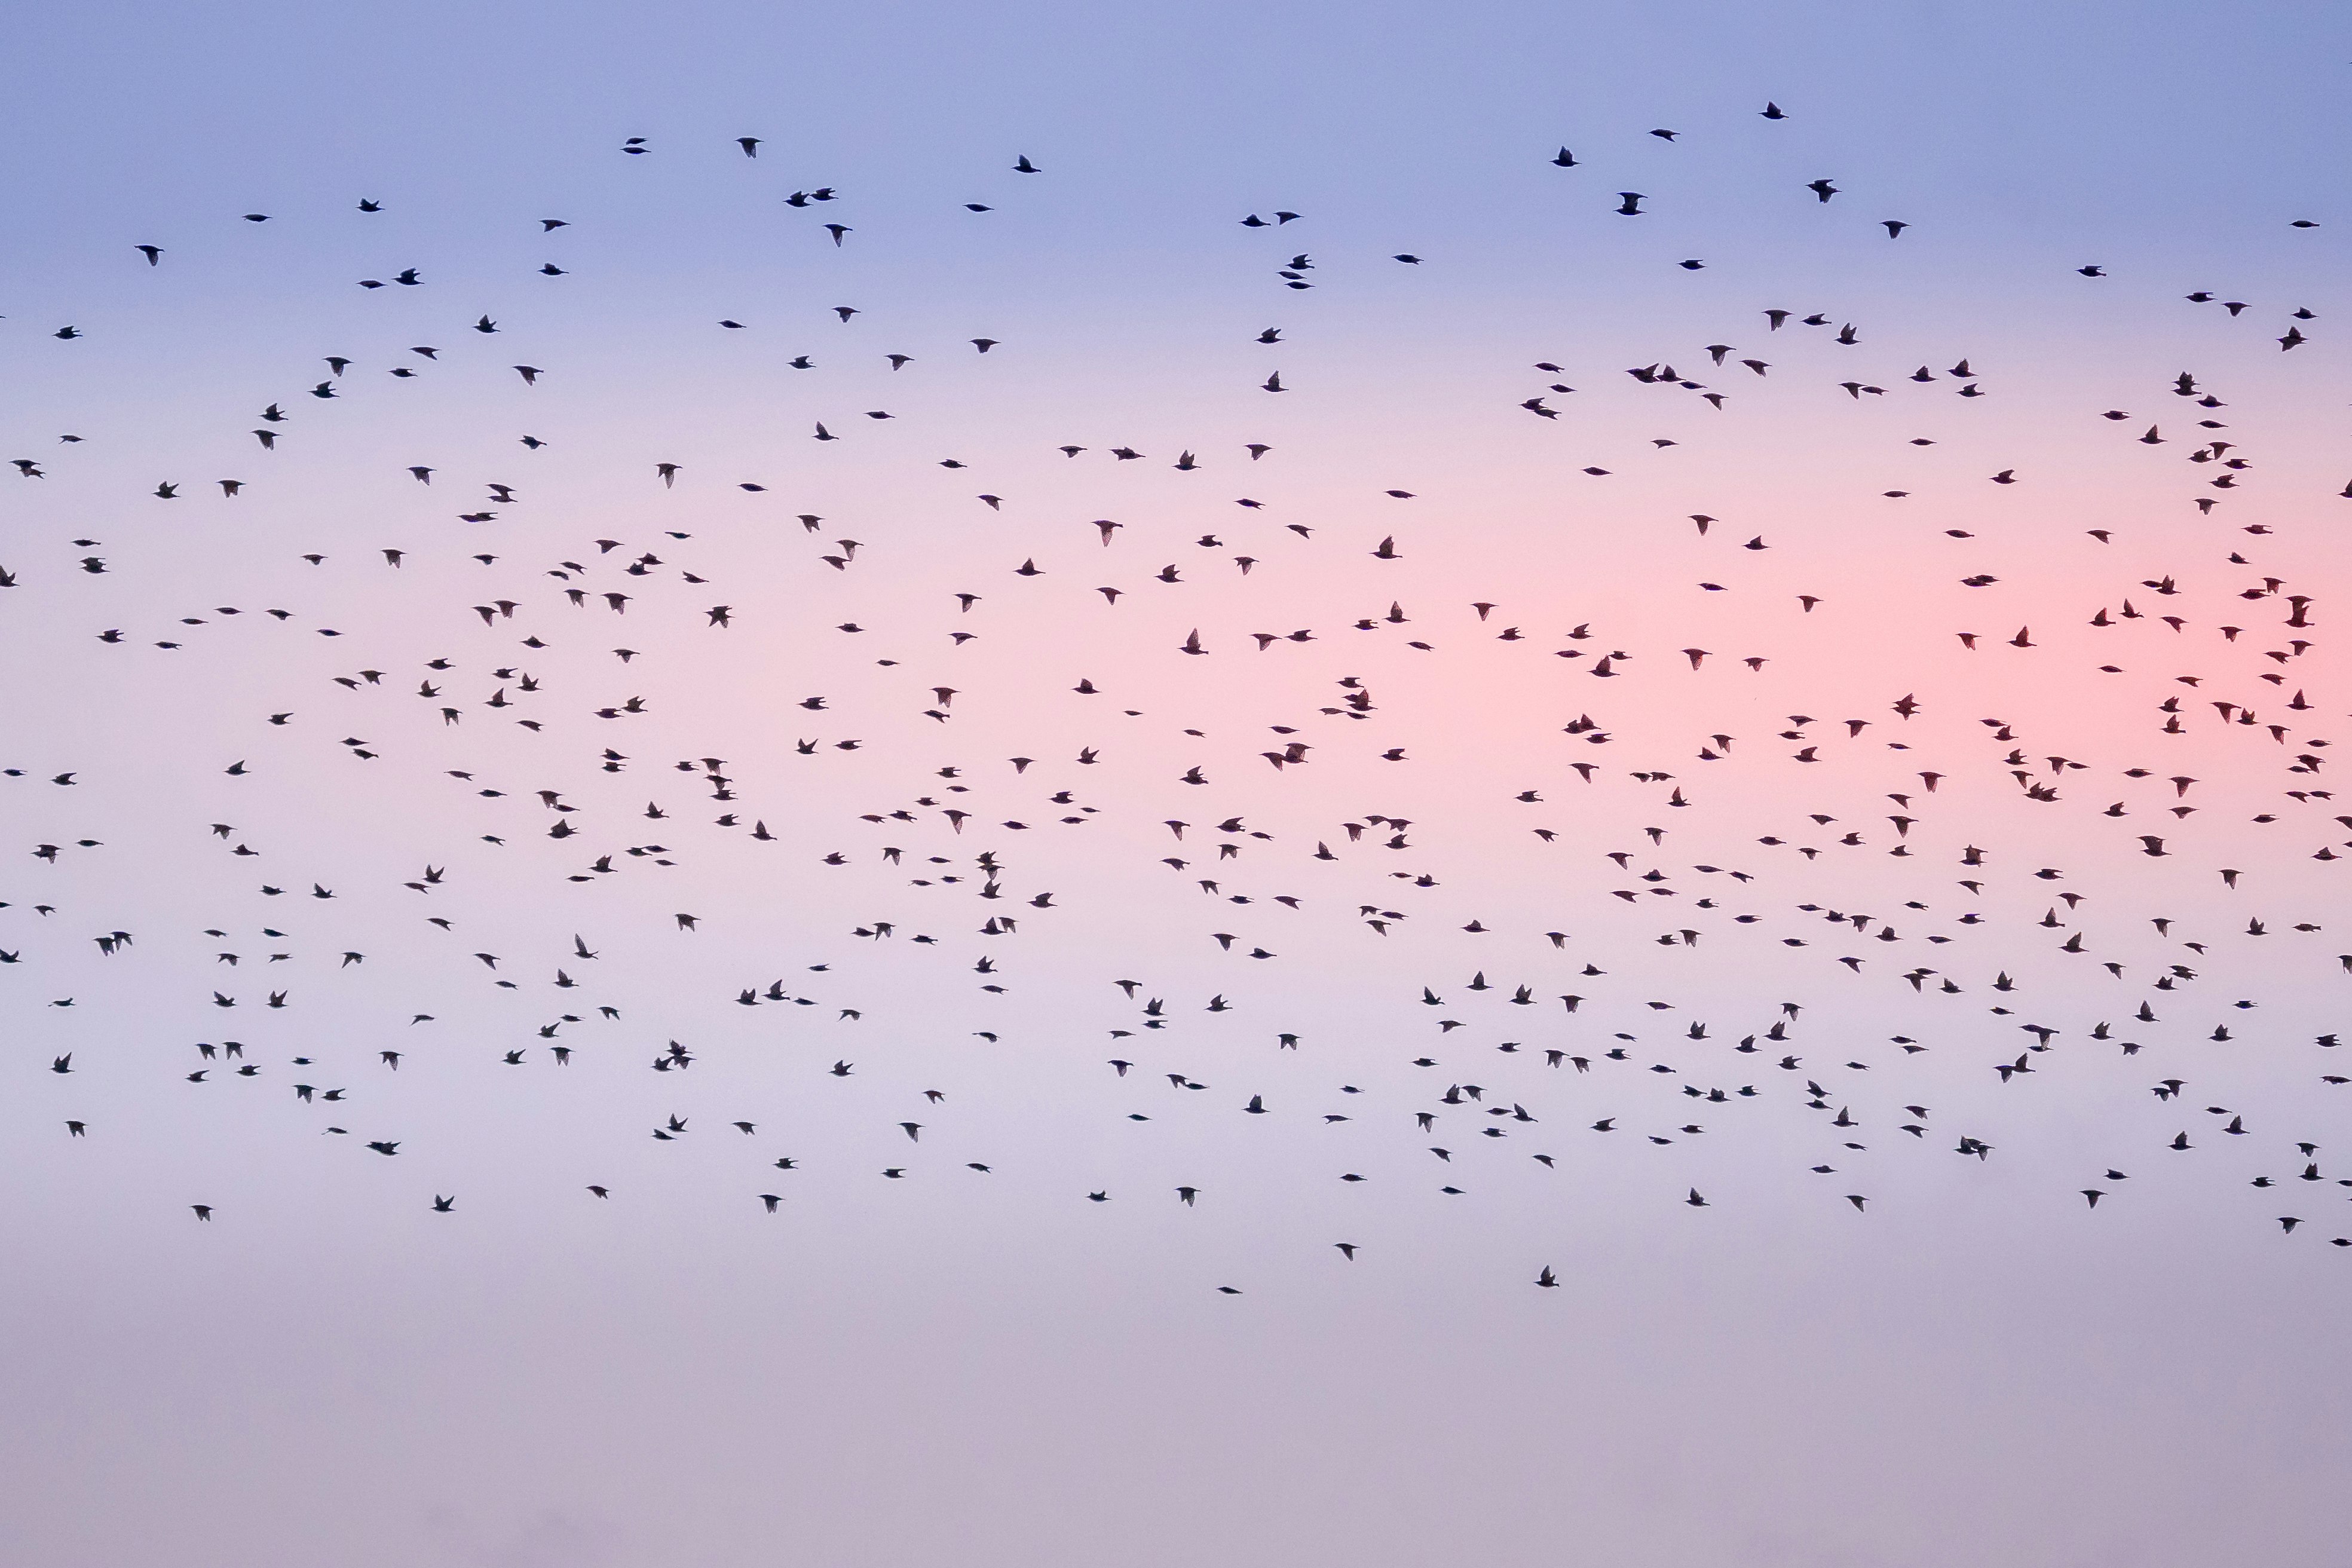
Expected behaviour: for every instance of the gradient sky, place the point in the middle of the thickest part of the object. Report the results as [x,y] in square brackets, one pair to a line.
[988,1369]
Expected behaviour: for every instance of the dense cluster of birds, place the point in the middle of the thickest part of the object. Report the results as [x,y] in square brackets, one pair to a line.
[528,722]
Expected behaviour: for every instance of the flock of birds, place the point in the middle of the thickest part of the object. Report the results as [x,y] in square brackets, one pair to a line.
[955,831]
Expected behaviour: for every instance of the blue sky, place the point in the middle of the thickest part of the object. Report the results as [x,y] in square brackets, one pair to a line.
[899,1372]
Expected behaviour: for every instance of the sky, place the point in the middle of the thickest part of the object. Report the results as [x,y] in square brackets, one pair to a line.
[1810,734]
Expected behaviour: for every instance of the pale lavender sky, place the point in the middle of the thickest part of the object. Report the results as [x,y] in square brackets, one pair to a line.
[985,1368]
